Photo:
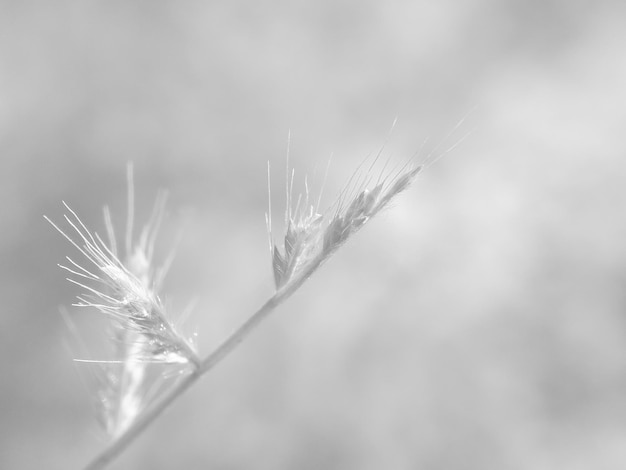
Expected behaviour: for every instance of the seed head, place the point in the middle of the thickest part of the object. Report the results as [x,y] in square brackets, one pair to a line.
[142,334]
[312,237]
[110,287]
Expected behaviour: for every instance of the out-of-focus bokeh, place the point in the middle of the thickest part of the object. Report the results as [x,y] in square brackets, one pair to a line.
[480,323]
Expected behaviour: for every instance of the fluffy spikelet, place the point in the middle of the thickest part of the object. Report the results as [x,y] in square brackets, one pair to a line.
[312,237]
[115,291]
[142,334]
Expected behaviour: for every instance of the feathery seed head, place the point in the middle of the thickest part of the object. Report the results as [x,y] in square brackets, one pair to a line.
[126,292]
[312,237]
[115,291]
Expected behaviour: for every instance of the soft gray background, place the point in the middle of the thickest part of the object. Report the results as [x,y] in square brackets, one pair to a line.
[478,324]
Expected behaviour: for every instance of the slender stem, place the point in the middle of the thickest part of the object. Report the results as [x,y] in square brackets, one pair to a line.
[229,344]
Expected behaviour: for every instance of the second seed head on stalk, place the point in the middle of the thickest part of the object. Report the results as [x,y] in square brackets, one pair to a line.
[311,237]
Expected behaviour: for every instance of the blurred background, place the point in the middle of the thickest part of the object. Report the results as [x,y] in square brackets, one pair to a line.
[479,323]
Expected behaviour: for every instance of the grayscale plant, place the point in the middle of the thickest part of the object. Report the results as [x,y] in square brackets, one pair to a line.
[126,290]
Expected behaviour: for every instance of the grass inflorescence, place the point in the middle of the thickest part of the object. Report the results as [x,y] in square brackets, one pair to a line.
[141,332]
[126,289]
[312,236]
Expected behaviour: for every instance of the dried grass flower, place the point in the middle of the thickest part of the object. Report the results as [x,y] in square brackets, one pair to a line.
[141,332]
[312,236]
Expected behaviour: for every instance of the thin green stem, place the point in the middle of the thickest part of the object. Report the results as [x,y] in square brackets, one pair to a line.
[229,344]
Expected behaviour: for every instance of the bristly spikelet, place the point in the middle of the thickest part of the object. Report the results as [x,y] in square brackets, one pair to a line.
[365,205]
[126,292]
[311,237]
[118,293]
